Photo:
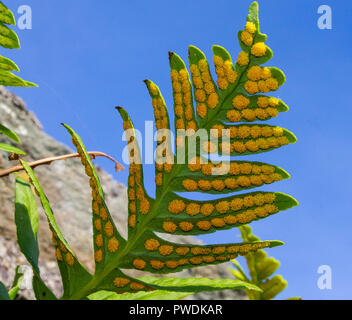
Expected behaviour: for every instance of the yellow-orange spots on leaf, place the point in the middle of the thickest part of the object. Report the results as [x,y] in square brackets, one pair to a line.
[193,209]
[139,264]
[209,88]
[202,110]
[251,87]
[254,73]
[113,245]
[261,114]
[207,209]
[240,102]
[195,164]
[132,221]
[260,212]
[223,207]
[174,75]
[166,250]
[259,49]
[221,258]
[58,255]
[99,241]
[233,116]
[239,147]
[219,250]
[182,251]
[204,225]
[183,75]
[230,219]
[144,206]
[269,198]
[218,61]
[176,206]
[98,256]
[236,204]
[189,113]
[243,181]
[263,102]
[272,84]
[152,244]
[266,73]
[246,38]
[156,264]
[186,226]
[192,125]
[213,100]
[95,208]
[252,146]
[196,260]
[121,282]
[248,114]
[103,213]
[183,262]
[218,223]
[203,65]
[234,168]
[272,112]
[208,259]
[131,194]
[97,224]
[109,229]
[248,201]
[137,286]
[207,169]
[231,183]
[172,264]
[159,179]
[199,250]
[243,59]
[194,70]
[169,226]
[251,27]
[218,185]
[222,83]
[200,95]
[233,249]
[153,89]
[190,185]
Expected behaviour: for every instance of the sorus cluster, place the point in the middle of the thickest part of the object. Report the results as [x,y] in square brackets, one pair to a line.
[207,209]
[260,80]
[189,255]
[62,254]
[225,72]
[136,194]
[225,219]
[205,91]
[253,138]
[183,100]
[160,112]
[126,284]
[232,183]
[102,221]
[266,108]
[162,168]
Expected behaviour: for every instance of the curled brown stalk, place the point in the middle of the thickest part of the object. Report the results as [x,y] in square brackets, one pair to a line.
[48,161]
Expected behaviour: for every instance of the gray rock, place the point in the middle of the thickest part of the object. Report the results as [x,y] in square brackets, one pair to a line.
[66,187]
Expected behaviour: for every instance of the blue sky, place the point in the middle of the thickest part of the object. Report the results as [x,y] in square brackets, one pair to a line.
[89,56]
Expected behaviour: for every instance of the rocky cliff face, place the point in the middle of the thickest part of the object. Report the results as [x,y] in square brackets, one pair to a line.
[66,186]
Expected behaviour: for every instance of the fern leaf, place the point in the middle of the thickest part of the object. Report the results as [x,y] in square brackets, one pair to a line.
[170,213]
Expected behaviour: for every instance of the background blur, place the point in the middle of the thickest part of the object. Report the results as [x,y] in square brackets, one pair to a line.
[89,56]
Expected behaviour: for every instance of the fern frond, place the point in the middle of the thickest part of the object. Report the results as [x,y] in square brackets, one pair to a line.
[261,268]
[9,40]
[169,212]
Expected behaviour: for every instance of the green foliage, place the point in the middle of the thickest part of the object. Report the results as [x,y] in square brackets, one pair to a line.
[9,40]
[261,268]
[169,212]
[12,294]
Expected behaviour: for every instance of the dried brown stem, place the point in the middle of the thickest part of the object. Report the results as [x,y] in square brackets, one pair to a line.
[48,161]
